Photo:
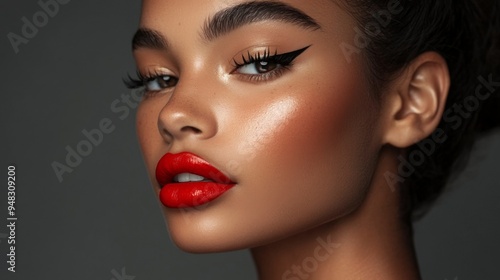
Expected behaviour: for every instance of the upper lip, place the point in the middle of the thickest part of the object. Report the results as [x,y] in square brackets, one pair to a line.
[171,165]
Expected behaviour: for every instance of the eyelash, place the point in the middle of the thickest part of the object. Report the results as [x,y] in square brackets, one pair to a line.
[283,62]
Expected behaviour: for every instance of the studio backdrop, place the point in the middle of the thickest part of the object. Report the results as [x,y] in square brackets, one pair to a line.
[82,206]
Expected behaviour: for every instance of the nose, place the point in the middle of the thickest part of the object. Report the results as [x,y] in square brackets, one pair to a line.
[188,114]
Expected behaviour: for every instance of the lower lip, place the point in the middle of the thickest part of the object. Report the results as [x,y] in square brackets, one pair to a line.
[191,194]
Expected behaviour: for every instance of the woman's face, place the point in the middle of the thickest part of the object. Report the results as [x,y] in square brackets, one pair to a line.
[269,99]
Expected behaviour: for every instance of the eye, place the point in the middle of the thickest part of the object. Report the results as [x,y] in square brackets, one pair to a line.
[152,83]
[260,65]
[160,82]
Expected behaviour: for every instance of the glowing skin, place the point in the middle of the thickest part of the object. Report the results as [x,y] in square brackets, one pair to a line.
[305,147]
[295,145]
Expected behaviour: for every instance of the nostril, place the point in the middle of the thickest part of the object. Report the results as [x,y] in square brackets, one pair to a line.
[191,129]
[166,135]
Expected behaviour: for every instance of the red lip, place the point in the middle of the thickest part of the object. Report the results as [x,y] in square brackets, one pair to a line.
[189,194]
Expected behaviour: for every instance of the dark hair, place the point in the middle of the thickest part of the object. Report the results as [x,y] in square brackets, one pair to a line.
[466,34]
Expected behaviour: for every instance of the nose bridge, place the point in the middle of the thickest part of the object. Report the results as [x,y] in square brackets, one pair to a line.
[188,113]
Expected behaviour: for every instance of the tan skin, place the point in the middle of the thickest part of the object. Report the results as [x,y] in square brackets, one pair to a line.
[306,145]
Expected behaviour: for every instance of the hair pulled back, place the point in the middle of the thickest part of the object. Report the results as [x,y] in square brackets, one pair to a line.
[466,34]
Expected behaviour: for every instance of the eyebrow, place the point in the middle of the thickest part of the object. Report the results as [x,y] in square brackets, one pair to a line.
[230,19]
[148,38]
[236,16]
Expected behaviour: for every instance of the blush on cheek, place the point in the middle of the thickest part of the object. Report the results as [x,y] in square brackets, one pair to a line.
[265,125]
[333,111]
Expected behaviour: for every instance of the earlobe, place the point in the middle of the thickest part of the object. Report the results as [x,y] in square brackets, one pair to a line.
[416,100]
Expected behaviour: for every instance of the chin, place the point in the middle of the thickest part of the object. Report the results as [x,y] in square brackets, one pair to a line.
[202,242]
[204,230]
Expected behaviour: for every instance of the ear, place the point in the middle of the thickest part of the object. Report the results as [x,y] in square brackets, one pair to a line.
[415,100]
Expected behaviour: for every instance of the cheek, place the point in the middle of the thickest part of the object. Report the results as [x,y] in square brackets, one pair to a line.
[320,156]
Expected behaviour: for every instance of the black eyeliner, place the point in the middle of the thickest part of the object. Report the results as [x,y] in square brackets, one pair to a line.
[283,59]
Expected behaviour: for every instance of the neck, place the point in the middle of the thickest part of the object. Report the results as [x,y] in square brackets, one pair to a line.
[372,242]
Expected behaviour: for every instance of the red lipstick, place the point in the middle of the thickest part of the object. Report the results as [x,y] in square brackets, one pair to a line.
[187,180]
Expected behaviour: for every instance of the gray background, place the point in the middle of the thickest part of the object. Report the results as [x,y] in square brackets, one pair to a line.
[103,217]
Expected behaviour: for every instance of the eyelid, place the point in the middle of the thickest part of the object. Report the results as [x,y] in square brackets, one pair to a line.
[246,55]
[157,71]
